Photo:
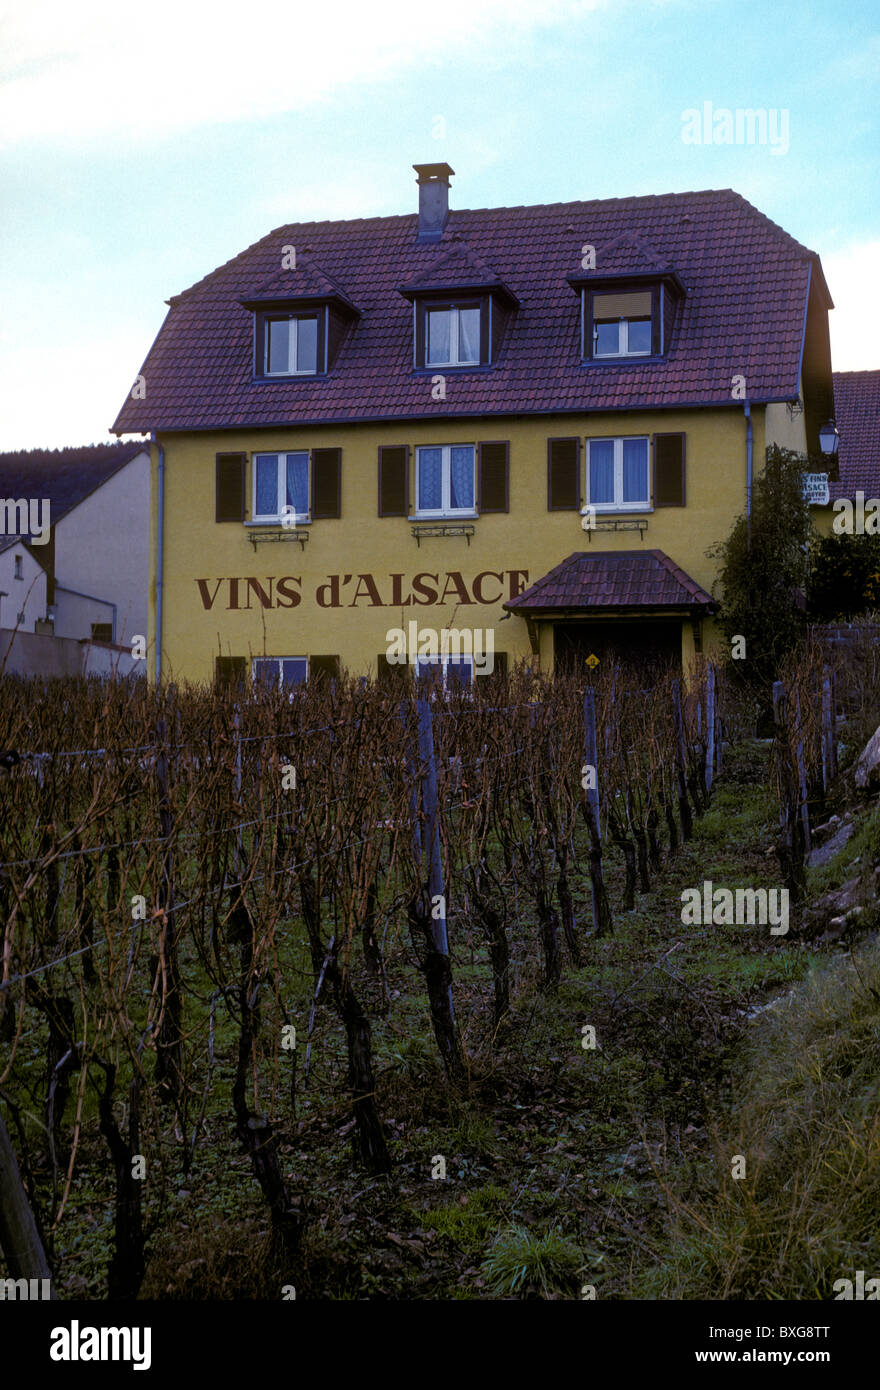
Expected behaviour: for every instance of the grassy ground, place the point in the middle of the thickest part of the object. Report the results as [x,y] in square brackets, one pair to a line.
[566,1168]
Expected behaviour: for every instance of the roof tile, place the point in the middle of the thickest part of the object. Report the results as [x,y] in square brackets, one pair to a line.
[745,281]
[614,579]
[857,416]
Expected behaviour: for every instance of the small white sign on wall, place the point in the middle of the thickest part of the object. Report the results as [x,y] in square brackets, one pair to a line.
[816,489]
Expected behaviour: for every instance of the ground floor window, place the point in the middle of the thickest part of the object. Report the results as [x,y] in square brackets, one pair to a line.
[280,670]
[446,673]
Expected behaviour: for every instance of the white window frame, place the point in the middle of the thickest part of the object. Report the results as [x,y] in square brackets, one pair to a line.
[618,504]
[279,660]
[446,511]
[278,516]
[454,334]
[622,336]
[292,344]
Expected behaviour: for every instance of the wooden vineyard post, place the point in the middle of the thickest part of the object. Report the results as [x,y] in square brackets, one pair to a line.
[684,809]
[791,844]
[432,831]
[602,920]
[169,1045]
[803,806]
[832,674]
[710,727]
[236,784]
[19,1238]
[427,909]
[829,743]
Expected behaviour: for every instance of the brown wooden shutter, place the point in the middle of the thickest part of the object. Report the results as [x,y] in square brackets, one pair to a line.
[324,667]
[563,475]
[389,673]
[394,480]
[493,474]
[500,664]
[669,470]
[230,672]
[229,492]
[326,482]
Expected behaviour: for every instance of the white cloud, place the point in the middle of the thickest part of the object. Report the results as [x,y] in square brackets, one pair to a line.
[102,69]
[76,405]
[855,288]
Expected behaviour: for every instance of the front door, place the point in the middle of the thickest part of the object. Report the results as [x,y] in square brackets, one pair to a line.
[638,643]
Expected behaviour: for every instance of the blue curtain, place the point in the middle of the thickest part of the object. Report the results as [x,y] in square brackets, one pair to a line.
[298,483]
[293,670]
[601,471]
[635,470]
[430,480]
[462,479]
[267,485]
[459,671]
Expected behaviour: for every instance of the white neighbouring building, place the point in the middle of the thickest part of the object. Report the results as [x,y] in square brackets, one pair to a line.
[93,597]
[22,585]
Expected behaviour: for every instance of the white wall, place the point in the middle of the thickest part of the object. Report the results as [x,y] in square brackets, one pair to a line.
[36,654]
[102,549]
[99,659]
[27,594]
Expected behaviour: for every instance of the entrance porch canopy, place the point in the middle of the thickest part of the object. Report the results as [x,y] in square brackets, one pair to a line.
[613,584]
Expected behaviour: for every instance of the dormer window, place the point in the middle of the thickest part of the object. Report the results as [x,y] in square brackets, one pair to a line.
[301,320]
[622,324]
[453,336]
[461,310]
[453,333]
[630,303]
[291,344]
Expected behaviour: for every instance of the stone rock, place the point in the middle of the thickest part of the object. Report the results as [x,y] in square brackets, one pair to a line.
[825,853]
[834,905]
[868,765]
[821,832]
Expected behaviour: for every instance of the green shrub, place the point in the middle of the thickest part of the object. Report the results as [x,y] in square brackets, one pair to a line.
[520,1262]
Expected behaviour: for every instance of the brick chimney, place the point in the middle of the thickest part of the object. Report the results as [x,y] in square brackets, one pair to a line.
[433,181]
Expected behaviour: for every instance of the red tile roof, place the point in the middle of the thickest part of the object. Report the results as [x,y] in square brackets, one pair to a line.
[459,268]
[613,579]
[304,281]
[745,280]
[626,255]
[857,416]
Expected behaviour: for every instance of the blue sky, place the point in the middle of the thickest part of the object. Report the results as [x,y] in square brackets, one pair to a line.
[141,147]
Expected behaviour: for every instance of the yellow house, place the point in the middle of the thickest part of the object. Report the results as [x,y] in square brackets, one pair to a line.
[518,427]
